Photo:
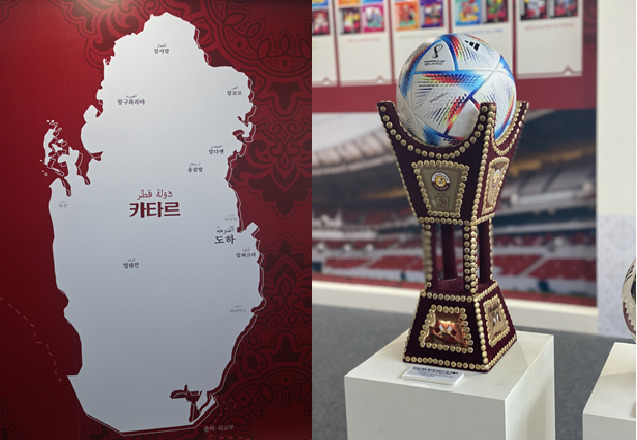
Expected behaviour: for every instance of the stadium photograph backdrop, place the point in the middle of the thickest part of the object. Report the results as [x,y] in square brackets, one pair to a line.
[155,259]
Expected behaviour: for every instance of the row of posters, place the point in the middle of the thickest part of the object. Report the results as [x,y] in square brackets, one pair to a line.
[345,33]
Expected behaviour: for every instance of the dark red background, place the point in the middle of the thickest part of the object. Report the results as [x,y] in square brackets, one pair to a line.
[51,54]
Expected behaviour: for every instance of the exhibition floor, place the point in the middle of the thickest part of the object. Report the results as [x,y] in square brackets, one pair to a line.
[343,338]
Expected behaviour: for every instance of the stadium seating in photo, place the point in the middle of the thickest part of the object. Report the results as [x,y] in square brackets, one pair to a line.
[544,237]
[559,262]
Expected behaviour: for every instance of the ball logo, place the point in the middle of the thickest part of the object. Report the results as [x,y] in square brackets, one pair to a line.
[440,181]
[474,45]
[437,48]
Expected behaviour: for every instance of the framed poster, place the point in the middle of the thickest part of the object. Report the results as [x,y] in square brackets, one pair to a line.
[557,24]
[415,22]
[489,20]
[156,263]
[362,28]
[323,44]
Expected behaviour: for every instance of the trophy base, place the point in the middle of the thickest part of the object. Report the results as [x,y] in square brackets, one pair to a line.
[469,331]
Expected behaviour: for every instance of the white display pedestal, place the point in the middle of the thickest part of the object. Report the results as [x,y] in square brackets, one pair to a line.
[610,410]
[515,400]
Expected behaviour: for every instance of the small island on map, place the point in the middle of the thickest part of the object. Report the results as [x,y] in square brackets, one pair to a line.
[161,276]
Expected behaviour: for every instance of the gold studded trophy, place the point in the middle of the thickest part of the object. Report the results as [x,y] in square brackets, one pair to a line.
[462,320]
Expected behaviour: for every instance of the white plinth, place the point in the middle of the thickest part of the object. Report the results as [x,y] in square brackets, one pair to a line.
[611,406]
[515,400]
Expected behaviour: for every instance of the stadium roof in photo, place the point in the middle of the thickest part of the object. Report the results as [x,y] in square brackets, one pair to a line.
[352,159]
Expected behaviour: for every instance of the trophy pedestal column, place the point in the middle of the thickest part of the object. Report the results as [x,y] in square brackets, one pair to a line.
[611,406]
[470,332]
[514,401]
[462,321]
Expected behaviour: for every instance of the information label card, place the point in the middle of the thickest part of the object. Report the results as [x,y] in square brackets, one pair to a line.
[435,375]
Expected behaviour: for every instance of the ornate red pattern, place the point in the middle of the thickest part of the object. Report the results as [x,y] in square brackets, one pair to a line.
[7,429]
[5,5]
[268,386]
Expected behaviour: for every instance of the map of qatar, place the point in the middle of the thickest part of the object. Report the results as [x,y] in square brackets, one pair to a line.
[162,278]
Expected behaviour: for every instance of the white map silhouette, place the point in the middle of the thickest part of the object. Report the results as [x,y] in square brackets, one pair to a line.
[160,281]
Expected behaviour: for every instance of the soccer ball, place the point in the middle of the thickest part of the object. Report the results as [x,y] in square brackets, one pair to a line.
[442,85]
[628,299]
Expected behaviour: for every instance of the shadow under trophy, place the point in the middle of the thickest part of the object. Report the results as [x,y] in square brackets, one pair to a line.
[462,320]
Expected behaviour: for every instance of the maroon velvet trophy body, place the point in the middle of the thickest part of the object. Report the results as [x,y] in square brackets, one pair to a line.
[462,320]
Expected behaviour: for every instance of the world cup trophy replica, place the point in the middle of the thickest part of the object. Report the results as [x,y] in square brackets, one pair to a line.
[453,181]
